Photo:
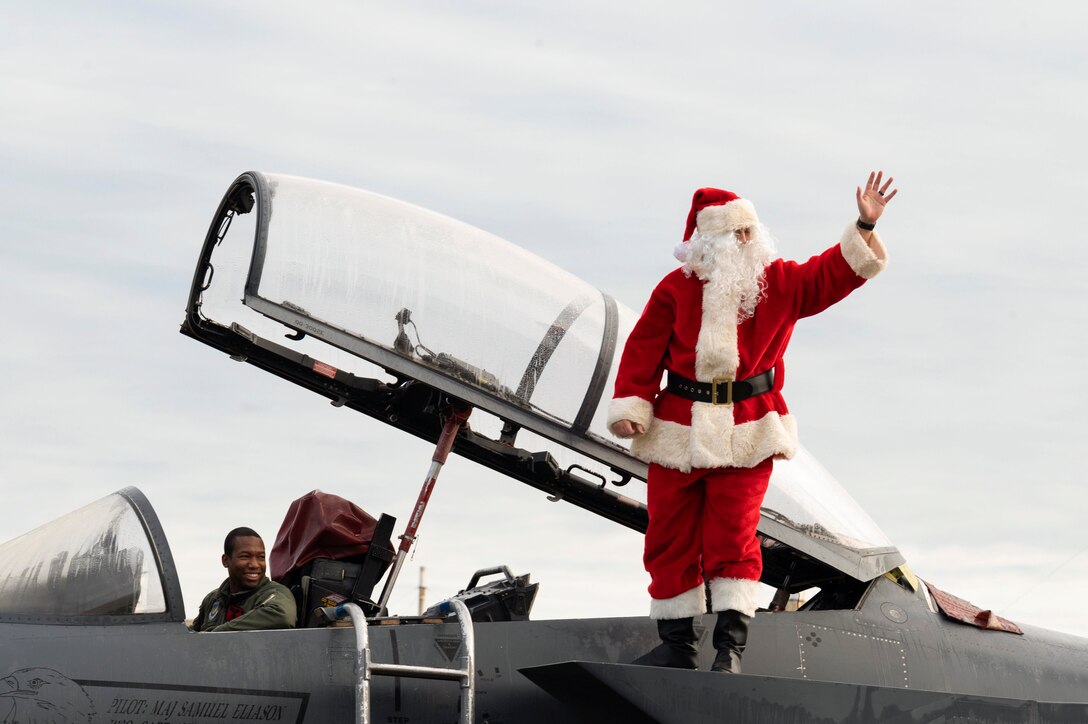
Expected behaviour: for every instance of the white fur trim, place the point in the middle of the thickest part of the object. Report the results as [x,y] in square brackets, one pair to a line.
[771,435]
[713,441]
[687,604]
[665,443]
[736,214]
[716,349]
[867,260]
[632,408]
[681,251]
[734,594]
[711,437]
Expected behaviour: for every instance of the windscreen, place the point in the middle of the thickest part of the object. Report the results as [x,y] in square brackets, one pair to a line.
[806,497]
[95,561]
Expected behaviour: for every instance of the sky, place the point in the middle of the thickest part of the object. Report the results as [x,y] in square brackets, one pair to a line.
[945,396]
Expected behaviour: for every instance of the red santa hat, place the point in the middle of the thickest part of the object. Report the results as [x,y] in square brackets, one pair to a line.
[717,211]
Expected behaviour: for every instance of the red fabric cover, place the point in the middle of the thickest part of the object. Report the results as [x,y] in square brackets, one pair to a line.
[666,334]
[702,199]
[320,525]
[966,612]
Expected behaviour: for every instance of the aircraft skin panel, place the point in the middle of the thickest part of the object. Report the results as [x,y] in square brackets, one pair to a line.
[1039,665]
[894,640]
[832,653]
[120,673]
[606,693]
[856,662]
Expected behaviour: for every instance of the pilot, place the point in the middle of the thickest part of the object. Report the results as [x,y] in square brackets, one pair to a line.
[719,326]
[247,600]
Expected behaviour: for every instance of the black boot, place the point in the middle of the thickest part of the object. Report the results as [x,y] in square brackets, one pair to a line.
[730,635]
[677,649]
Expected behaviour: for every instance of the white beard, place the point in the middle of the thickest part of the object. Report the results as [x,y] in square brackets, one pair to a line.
[736,268]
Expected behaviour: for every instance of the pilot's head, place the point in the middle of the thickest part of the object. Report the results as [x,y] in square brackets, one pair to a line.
[243,557]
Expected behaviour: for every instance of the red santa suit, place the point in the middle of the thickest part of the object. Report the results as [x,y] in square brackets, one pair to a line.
[710,463]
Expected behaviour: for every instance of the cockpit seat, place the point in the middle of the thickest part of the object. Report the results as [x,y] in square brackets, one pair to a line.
[330,551]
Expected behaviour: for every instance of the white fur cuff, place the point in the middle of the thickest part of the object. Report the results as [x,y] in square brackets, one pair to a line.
[634,409]
[734,594]
[687,604]
[867,260]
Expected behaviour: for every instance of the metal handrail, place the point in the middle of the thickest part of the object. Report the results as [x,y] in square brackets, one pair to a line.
[365,668]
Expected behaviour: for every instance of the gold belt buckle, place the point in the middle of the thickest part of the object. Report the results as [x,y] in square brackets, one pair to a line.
[728,390]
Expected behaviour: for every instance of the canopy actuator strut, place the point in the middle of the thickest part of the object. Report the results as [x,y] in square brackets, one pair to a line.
[453,421]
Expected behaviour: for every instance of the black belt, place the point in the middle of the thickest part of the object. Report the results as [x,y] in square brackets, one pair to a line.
[723,390]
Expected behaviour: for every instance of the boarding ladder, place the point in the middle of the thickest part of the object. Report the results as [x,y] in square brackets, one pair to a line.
[365,668]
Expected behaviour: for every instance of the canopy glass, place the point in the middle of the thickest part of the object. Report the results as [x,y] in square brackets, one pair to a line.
[96,561]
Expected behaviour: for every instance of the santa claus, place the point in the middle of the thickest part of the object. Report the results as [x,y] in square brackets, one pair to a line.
[719,326]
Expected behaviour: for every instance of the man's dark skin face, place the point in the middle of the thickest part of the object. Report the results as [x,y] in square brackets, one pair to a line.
[246,565]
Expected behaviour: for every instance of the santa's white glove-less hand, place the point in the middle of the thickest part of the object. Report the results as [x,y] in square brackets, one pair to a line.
[626,428]
[872,201]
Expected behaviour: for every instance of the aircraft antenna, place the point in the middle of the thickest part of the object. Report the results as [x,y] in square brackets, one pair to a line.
[1043,580]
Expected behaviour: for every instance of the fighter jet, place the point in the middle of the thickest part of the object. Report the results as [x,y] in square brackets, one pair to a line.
[457,337]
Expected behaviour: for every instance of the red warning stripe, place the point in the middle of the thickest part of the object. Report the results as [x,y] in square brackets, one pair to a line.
[323,369]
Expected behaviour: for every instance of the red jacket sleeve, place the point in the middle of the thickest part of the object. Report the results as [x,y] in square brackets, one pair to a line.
[829,277]
[638,379]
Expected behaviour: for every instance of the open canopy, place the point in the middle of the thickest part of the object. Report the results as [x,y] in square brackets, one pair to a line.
[354,279]
[439,301]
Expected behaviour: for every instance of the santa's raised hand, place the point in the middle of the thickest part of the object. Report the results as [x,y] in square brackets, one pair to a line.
[872,201]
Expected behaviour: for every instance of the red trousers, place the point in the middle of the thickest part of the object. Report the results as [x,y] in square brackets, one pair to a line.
[703,526]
